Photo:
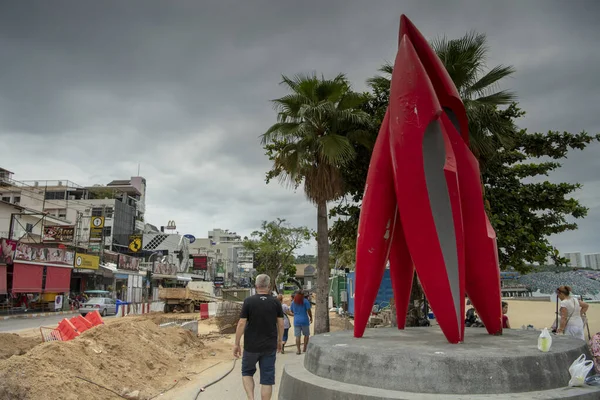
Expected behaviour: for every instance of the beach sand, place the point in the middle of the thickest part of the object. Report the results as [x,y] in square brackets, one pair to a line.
[540,314]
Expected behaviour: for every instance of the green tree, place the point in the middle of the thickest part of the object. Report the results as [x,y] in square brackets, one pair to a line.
[516,210]
[464,59]
[306,259]
[274,246]
[311,143]
[526,208]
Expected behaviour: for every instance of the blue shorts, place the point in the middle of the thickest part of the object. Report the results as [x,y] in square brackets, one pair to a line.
[266,362]
[285,335]
[302,329]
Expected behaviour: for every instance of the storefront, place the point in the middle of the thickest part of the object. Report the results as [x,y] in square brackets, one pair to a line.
[86,274]
[7,250]
[39,275]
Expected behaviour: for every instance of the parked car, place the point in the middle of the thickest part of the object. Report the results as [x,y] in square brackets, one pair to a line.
[103,305]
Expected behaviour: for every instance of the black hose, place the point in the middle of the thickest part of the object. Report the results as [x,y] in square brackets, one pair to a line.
[202,389]
[100,386]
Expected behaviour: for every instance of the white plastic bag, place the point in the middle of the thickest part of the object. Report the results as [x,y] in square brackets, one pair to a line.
[544,341]
[579,371]
[576,363]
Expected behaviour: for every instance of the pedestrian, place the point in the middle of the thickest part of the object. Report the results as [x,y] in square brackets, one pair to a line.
[286,322]
[505,321]
[261,324]
[302,319]
[571,312]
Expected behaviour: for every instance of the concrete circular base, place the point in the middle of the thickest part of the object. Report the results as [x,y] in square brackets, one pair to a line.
[418,363]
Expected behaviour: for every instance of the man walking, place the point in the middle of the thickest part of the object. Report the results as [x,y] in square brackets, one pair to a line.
[261,324]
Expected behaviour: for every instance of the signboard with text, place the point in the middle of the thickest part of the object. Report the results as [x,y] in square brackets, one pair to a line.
[86,261]
[96,228]
[59,234]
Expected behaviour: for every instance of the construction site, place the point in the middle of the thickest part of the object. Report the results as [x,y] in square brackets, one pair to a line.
[133,357]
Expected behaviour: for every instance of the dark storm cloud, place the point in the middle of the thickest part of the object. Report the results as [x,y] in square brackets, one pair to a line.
[183,88]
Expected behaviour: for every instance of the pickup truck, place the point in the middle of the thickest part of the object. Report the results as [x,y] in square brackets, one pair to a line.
[187,298]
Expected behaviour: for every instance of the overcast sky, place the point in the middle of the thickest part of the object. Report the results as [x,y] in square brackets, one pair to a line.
[89,89]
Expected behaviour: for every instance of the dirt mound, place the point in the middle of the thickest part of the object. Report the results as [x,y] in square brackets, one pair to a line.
[132,354]
[11,344]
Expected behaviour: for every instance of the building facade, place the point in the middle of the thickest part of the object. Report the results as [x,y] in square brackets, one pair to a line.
[592,261]
[227,256]
[575,260]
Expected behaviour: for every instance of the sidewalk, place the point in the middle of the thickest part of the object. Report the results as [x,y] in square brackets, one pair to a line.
[37,314]
[230,387]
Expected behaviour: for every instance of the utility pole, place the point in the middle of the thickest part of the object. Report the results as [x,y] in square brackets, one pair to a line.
[77,230]
[102,236]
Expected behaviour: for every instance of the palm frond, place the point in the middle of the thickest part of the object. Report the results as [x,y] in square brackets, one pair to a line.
[280,131]
[336,150]
[502,97]
[490,79]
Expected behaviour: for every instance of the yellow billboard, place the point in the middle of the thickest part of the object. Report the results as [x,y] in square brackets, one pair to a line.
[86,261]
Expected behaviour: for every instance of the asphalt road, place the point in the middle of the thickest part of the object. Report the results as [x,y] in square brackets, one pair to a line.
[20,324]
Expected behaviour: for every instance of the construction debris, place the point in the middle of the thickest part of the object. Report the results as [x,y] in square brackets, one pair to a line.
[133,353]
[11,344]
[228,315]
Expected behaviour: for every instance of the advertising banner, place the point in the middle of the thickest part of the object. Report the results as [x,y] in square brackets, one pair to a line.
[58,234]
[200,263]
[7,251]
[36,254]
[128,263]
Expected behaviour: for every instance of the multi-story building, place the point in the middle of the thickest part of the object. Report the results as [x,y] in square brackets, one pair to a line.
[574,259]
[592,261]
[226,254]
[121,203]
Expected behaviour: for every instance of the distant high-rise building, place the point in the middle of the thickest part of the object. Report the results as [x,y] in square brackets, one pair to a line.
[592,261]
[574,259]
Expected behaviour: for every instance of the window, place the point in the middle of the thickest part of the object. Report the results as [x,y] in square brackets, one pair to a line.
[96,212]
[55,195]
[107,231]
[29,228]
[7,199]
[17,199]
[108,212]
[62,213]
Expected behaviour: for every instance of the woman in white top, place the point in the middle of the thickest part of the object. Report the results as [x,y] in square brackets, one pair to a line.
[571,312]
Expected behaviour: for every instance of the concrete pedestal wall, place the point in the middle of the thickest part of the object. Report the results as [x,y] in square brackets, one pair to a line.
[419,363]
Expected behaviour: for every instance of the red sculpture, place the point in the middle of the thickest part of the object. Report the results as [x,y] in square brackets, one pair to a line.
[423,202]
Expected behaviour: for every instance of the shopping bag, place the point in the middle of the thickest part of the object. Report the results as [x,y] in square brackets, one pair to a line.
[544,341]
[579,372]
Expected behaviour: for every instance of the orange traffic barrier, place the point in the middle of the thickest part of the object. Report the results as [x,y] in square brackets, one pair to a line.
[80,323]
[67,330]
[95,318]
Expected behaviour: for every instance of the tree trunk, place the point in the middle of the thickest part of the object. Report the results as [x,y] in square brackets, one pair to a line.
[322,311]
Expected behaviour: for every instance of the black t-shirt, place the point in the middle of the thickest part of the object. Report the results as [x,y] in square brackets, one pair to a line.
[261,312]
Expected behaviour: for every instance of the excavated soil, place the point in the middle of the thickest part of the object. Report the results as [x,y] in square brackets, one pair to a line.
[12,344]
[127,355]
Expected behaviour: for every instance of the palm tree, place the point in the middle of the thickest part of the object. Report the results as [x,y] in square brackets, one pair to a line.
[464,60]
[317,124]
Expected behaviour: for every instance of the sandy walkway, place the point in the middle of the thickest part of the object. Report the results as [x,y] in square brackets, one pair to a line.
[541,314]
